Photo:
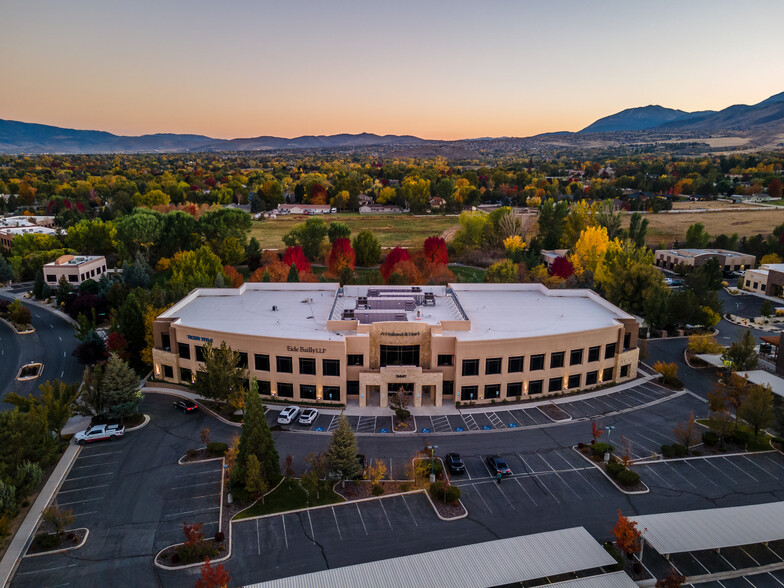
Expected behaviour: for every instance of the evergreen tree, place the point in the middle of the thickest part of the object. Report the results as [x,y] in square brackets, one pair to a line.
[266,276]
[293,274]
[222,373]
[137,274]
[6,271]
[63,290]
[342,452]
[120,388]
[367,249]
[742,353]
[38,287]
[256,439]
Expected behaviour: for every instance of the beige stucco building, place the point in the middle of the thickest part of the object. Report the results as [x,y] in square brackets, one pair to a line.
[766,279]
[728,260]
[75,268]
[465,342]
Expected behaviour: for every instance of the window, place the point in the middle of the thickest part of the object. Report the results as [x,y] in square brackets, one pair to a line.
[492,365]
[593,354]
[535,387]
[283,365]
[264,387]
[468,393]
[330,367]
[492,391]
[625,371]
[557,359]
[537,362]
[52,278]
[356,359]
[515,364]
[352,387]
[591,378]
[514,389]
[555,385]
[185,375]
[307,366]
[243,360]
[574,381]
[168,371]
[73,278]
[576,357]
[165,341]
[448,388]
[470,367]
[184,350]
[199,352]
[399,355]
[307,392]
[445,360]
[262,362]
[627,339]
[285,390]
[609,351]
[332,393]
[607,374]
[748,283]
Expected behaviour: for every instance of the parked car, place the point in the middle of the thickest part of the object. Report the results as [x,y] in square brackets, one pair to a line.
[497,465]
[288,415]
[307,416]
[185,405]
[454,463]
[100,433]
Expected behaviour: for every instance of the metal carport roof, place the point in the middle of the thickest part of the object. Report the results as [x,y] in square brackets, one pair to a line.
[614,580]
[518,558]
[713,528]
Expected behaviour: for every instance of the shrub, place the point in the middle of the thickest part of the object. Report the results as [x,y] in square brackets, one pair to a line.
[44,541]
[217,448]
[196,551]
[599,449]
[452,494]
[614,468]
[219,537]
[616,555]
[175,558]
[710,438]
[378,490]
[444,492]
[628,477]
[668,371]
[704,344]
[674,450]
[740,437]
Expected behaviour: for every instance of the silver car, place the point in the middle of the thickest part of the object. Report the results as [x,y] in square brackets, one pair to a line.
[288,415]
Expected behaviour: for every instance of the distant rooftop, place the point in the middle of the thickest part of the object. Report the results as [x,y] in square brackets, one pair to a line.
[74,260]
[21,230]
[697,252]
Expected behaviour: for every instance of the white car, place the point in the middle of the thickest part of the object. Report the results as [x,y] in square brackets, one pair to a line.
[288,415]
[308,416]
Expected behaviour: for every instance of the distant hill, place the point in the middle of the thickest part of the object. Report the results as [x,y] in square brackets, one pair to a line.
[641,118]
[21,137]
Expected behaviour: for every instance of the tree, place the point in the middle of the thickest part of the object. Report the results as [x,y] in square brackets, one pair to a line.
[627,536]
[342,452]
[367,249]
[757,408]
[394,257]
[561,268]
[341,256]
[120,388]
[308,235]
[415,193]
[38,286]
[6,271]
[213,576]
[19,314]
[317,469]
[338,230]
[589,251]
[766,309]
[56,403]
[502,272]
[775,188]
[137,274]
[231,251]
[696,237]
[295,256]
[256,439]
[138,232]
[293,274]
[685,433]
[742,355]
[195,269]
[551,222]
[672,580]
[435,250]
[638,227]
[91,350]
[627,276]
[58,519]
[221,373]
[255,484]
[668,371]
[770,258]
[596,432]
[376,471]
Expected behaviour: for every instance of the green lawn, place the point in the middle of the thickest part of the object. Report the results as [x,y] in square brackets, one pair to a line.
[290,495]
[468,274]
[763,439]
[390,229]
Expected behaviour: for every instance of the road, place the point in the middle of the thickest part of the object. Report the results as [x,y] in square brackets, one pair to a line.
[51,344]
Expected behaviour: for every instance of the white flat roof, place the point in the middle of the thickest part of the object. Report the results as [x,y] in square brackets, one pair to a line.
[713,528]
[520,558]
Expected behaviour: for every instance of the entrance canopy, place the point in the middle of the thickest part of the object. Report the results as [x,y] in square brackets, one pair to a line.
[471,566]
[714,528]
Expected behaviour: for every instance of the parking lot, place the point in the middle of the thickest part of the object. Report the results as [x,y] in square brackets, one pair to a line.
[511,418]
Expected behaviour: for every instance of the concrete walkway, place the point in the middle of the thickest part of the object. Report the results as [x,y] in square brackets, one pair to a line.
[22,538]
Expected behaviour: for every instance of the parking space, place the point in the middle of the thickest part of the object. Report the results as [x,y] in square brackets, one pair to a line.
[423,424]
[366,424]
[322,422]
[194,497]
[441,424]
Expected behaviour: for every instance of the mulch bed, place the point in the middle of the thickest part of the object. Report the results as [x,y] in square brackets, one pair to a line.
[170,557]
[68,539]
[201,454]
[586,450]
[554,412]
[449,510]
[407,425]
[364,489]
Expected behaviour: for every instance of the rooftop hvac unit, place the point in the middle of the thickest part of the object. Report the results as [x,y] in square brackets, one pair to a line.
[274,308]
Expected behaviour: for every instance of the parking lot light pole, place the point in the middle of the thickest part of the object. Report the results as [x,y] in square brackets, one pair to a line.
[609,429]
[228,477]
[432,449]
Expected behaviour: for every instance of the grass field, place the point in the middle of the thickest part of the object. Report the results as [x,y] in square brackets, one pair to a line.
[390,229]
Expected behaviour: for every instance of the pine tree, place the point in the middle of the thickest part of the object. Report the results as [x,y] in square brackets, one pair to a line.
[120,388]
[342,452]
[293,274]
[38,287]
[6,271]
[256,439]
[266,276]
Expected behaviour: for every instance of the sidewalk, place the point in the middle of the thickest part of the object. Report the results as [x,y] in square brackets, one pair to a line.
[20,296]
[20,541]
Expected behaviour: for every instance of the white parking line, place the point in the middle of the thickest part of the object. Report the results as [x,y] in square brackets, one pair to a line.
[45,570]
[203,496]
[285,535]
[479,494]
[409,512]
[560,478]
[79,501]
[216,472]
[96,465]
[194,485]
[751,558]
[766,472]
[775,578]
[336,523]
[651,470]
[774,553]
[98,454]
[359,512]
[85,477]
[179,514]
[773,461]
[82,489]
[740,468]
[381,502]
[84,514]
[700,473]
[312,532]
[497,485]
[258,539]
[526,491]
[681,475]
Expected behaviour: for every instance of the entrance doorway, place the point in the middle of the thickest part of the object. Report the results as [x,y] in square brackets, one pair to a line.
[374,395]
[428,395]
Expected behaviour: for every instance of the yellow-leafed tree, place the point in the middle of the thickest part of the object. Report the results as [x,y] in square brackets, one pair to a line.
[589,251]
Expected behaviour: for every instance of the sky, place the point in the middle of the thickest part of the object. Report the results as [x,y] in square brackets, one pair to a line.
[435,69]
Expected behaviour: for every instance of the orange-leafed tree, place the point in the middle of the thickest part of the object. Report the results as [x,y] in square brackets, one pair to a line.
[672,580]
[318,194]
[408,270]
[213,576]
[341,256]
[235,278]
[596,432]
[394,257]
[193,533]
[435,250]
[295,256]
[277,272]
[627,536]
[438,273]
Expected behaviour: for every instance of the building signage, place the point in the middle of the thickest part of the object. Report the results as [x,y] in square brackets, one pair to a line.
[400,375]
[301,349]
[403,334]
[195,338]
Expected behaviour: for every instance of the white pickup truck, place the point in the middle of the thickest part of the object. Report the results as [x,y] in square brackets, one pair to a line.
[99,433]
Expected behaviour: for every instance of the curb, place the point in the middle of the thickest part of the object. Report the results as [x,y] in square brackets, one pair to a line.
[147,420]
[566,420]
[184,463]
[15,330]
[29,378]
[81,544]
[438,514]
[739,453]
[174,392]
[606,475]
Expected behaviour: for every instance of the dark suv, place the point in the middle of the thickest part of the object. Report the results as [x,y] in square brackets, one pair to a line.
[497,466]
[454,463]
[185,405]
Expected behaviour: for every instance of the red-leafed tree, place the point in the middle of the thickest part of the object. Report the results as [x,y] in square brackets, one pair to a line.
[561,268]
[435,250]
[627,536]
[596,432]
[295,256]
[235,277]
[213,576]
[394,257]
[341,256]
[117,343]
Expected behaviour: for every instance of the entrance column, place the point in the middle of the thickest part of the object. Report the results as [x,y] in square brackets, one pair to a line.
[438,393]
[417,394]
[362,392]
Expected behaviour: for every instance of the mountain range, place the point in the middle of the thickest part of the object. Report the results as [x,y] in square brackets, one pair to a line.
[766,118]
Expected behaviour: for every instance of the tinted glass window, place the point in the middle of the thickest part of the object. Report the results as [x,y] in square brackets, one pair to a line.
[168,371]
[468,393]
[332,393]
[352,387]
[470,367]
[591,378]
[307,366]
[355,359]
[624,371]
[493,391]
[307,392]
[514,389]
[185,375]
[285,390]
[243,359]
[609,351]
[557,359]
[283,365]
[262,362]
[399,355]
[516,364]
[330,367]
[185,350]
[576,357]
[264,387]
[537,362]
[607,375]
[574,381]
[535,387]
[445,360]
[199,352]
[493,365]
[593,353]
[555,384]
[448,388]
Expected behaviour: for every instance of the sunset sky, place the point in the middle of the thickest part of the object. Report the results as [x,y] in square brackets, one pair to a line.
[438,70]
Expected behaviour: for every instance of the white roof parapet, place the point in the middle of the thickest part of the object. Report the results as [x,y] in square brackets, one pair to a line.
[524,558]
[713,528]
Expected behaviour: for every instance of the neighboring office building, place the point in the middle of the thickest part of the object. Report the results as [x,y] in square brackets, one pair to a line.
[729,260]
[549,256]
[304,209]
[27,221]
[8,234]
[380,209]
[75,268]
[766,279]
[465,342]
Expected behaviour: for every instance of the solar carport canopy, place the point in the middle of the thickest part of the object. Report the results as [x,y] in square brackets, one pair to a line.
[713,528]
[493,563]
[614,580]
